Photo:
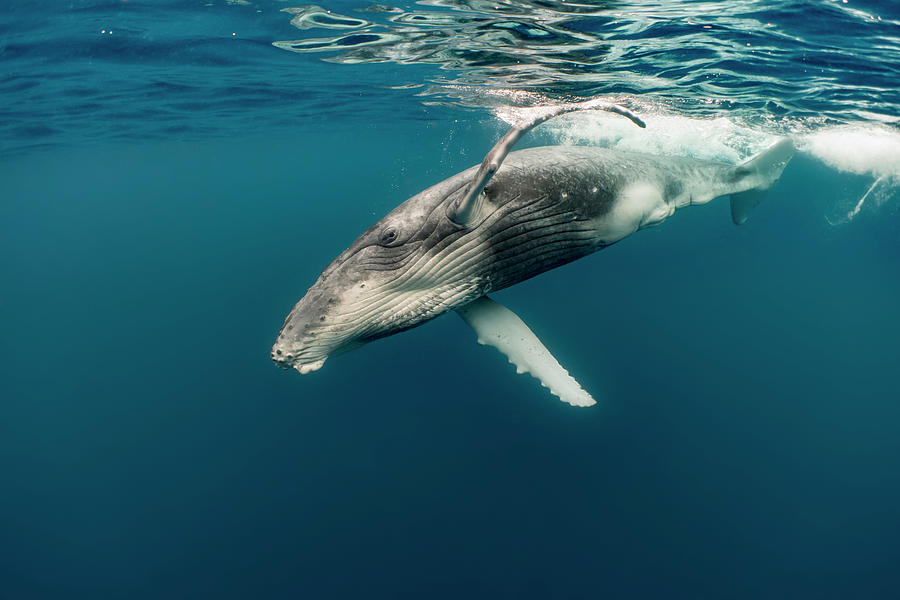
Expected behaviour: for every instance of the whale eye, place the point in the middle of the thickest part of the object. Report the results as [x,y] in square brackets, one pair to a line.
[388,235]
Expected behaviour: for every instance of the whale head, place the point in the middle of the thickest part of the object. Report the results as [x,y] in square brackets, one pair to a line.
[398,274]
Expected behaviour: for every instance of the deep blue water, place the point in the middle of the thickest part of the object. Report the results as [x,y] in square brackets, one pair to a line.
[168,192]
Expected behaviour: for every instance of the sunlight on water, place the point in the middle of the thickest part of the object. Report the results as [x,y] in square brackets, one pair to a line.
[741,50]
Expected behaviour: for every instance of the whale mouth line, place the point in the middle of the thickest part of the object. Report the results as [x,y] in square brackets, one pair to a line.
[300,364]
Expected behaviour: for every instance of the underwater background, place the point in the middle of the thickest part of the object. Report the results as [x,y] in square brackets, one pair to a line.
[174,175]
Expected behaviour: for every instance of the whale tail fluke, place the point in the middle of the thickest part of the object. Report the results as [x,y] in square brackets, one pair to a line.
[761,172]
[743,203]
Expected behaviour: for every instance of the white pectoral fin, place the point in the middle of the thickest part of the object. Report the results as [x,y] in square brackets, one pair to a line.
[501,328]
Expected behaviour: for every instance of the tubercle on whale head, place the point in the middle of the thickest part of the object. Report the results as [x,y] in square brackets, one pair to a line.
[312,331]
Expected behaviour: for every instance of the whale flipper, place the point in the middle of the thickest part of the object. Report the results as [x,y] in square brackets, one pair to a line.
[501,328]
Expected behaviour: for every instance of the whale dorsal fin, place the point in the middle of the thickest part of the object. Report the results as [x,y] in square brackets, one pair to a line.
[501,328]
[471,208]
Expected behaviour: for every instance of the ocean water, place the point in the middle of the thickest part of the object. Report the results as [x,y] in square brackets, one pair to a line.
[174,175]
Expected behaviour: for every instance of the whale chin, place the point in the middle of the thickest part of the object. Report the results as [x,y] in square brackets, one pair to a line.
[297,361]
[304,368]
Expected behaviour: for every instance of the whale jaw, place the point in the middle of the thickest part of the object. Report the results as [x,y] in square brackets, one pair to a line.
[303,369]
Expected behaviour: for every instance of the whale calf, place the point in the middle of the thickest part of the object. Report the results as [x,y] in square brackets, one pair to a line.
[512,217]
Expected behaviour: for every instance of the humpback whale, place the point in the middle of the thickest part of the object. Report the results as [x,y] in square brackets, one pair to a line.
[512,217]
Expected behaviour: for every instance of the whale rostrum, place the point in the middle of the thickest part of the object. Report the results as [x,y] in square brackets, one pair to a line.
[512,217]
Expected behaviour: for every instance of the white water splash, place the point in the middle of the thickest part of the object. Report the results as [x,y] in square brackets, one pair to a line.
[667,133]
[869,150]
[860,149]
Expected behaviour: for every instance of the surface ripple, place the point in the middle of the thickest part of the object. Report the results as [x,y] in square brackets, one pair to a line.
[783,56]
[100,70]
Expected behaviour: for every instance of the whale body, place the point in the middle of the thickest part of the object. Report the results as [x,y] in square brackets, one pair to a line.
[515,216]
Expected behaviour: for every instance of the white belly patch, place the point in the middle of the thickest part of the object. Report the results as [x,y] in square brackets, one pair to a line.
[638,205]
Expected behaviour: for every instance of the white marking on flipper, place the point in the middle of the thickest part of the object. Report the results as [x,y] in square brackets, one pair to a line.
[501,328]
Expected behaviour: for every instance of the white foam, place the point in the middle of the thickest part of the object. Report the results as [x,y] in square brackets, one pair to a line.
[867,149]
[667,133]
[860,149]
